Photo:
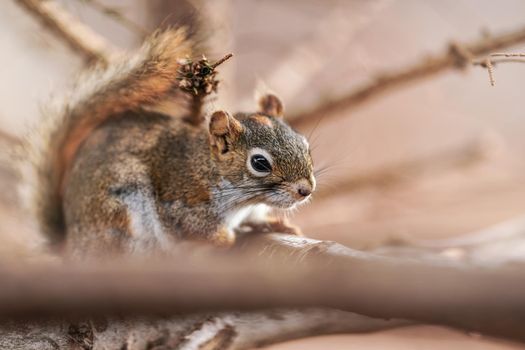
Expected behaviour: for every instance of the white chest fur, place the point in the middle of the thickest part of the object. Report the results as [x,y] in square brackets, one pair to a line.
[253,213]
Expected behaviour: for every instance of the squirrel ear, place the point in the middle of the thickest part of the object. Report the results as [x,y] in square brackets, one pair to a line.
[223,124]
[271,105]
[223,129]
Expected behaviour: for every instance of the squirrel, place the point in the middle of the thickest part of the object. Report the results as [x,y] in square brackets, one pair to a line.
[109,173]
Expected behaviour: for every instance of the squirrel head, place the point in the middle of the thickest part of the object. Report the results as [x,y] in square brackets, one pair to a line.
[261,158]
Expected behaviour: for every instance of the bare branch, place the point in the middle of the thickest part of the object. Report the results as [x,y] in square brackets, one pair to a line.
[278,325]
[490,62]
[117,15]
[224,331]
[490,69]
[278,271]
[504,54]
[80,38]
[9,138]
[455,57]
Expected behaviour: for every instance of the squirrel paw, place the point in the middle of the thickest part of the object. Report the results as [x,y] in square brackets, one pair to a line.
[272,226]
[224,238]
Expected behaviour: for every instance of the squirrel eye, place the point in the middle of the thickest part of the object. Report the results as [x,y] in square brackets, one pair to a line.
[260,164]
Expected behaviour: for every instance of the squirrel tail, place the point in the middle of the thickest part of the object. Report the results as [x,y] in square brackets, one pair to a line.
[143,79]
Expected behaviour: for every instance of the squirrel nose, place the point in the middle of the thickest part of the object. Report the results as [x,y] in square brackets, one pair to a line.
[304,191]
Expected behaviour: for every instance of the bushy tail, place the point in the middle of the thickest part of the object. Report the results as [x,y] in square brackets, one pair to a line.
[143,79]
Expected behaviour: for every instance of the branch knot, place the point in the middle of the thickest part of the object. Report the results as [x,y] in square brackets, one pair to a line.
[460,54]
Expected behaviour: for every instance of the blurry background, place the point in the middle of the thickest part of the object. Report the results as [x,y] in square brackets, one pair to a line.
[454,142]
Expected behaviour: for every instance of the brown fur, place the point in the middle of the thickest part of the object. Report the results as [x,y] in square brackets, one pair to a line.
[271,105]
[144,166]
[262,120]
[118,177]
[131,83]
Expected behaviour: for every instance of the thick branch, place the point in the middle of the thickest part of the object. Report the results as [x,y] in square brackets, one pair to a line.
[80,38]
[289,271]
[455,57]
[221,331]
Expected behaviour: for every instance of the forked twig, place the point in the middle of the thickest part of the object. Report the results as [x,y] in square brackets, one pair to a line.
[489,62]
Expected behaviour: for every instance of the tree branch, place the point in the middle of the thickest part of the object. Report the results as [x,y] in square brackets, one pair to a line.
[278,271]
[457,56]
[224,331]
[80,38]
[118,16]
[490,61]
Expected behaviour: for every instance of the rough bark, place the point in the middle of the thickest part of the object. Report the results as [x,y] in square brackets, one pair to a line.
[229,330]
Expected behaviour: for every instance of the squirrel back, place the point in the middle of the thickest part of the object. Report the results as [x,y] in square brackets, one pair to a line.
[143,79]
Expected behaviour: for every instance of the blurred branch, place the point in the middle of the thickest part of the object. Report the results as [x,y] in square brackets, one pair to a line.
[396,174]
[457,56]
[278,271]
[117,16]
[80,38]
[8,138]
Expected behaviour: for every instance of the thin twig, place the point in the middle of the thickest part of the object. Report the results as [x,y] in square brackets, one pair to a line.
[80,38]
[221,61]
[494,61]
[489,62]
[490,69]
[503,54]
[452,58]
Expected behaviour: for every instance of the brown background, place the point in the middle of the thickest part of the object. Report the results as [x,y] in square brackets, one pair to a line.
[310,52]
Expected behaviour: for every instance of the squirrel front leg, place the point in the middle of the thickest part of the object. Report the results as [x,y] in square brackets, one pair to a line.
[283,225]
[271,225]
[261,220]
